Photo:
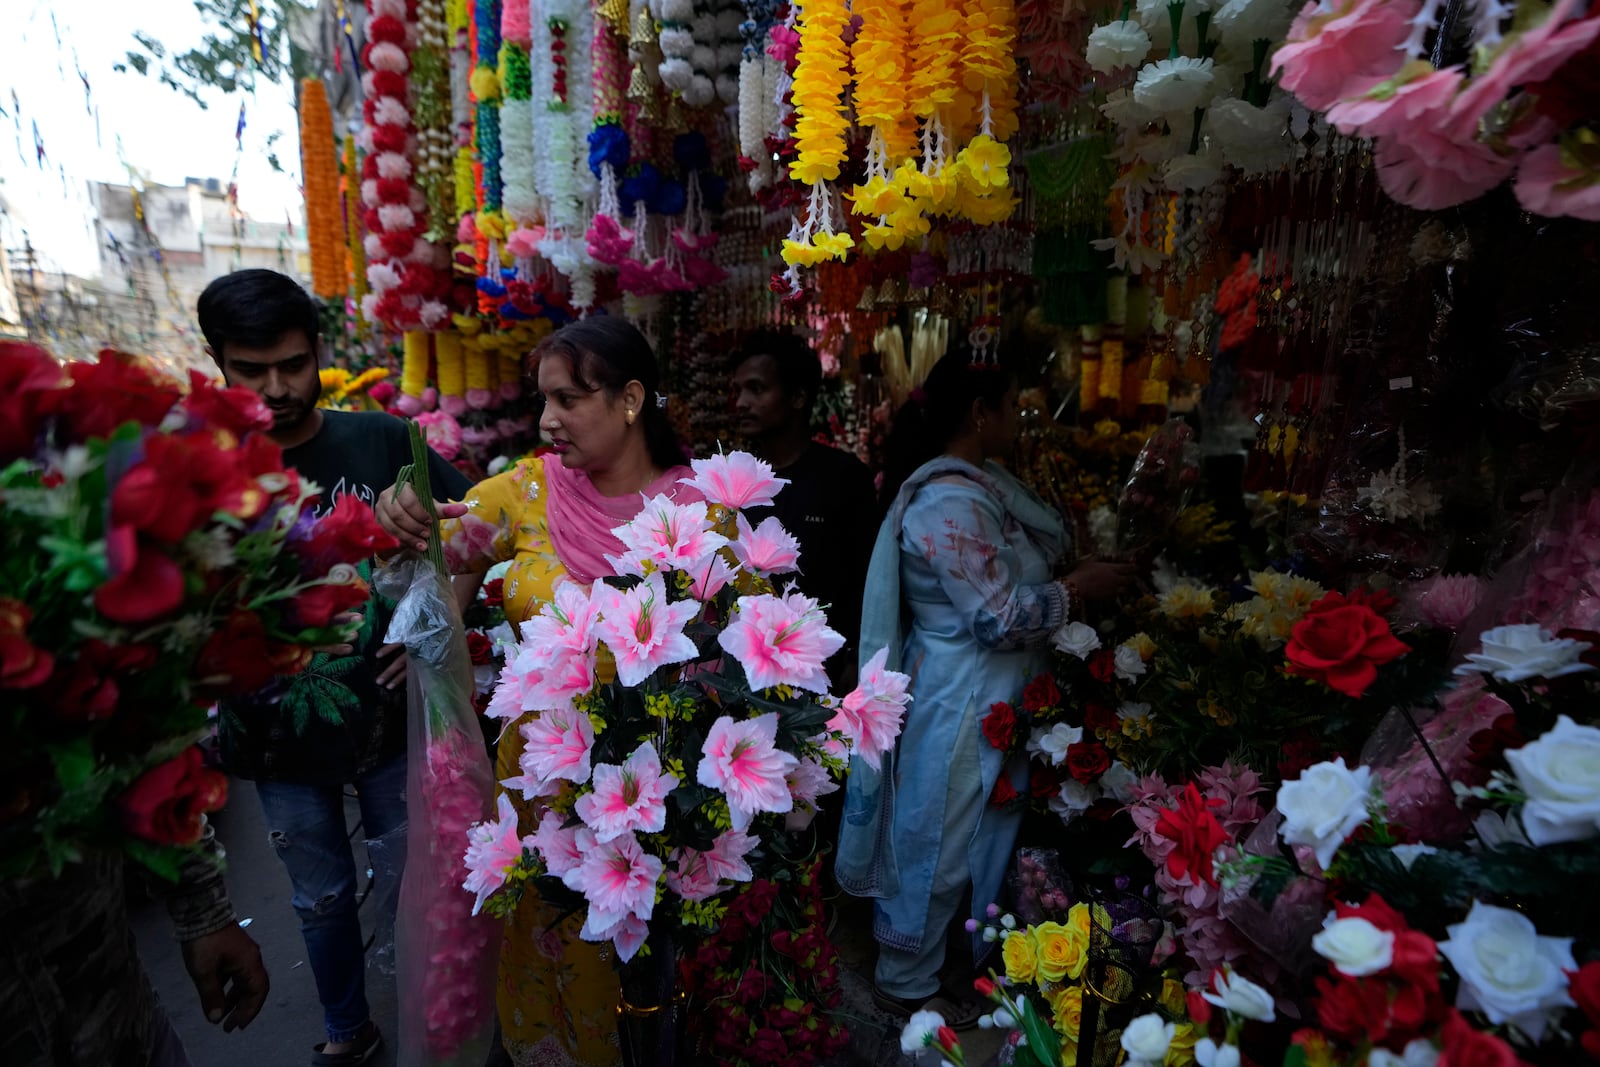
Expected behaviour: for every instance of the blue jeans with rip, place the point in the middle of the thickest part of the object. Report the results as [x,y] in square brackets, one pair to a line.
[306,827]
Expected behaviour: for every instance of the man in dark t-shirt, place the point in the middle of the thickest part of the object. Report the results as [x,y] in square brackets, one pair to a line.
[829,504]
[341,722]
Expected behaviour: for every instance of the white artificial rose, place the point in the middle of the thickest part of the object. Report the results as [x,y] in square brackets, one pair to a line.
[1241,23]
[1407,854]
[1518,653]
[1324,807]
[1354,946]
[919,1030]
[1507,970]
[1207,1053]
[1147,1038]
[1116,45]
[1129,663]
[1253,139]
[1076,639]
[1560,773]
[1055,742]
[1237,994]
[1119,782]
[1073,799]
[1419,1053]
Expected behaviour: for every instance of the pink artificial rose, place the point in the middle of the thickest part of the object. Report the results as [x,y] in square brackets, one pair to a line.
[1547,185]
[1334,55]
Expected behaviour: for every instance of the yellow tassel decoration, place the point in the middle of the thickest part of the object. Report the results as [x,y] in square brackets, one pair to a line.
[413,371]
[451,360]
[478,357]
[355,251]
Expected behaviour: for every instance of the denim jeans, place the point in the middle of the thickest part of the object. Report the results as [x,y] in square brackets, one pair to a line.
[306,827]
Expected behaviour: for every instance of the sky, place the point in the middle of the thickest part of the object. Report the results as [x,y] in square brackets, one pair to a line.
[165,136]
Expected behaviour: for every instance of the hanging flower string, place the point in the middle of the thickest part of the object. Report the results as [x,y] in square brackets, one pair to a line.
[820,82]
[320,167]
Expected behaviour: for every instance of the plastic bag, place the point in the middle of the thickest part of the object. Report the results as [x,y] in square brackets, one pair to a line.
[447,956]
[1166,472]
[1043,890]
[386,864]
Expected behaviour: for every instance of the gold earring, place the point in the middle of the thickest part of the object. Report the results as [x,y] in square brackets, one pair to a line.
[629,416]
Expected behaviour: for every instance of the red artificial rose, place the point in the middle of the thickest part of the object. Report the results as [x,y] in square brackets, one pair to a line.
[480,648]
[1353,1009]
[163,496]
[115,389]
[1487,747]
[1198,1009]
[145,583]
[1000,726]
[237,658]
[1102,665]
[1342,645]
[23,664]
[1041,693]
[1004,792]
[86,688]
[317,606]
[1099,717]
[166,804]
[27,378]
[1197,834]
[947,1038]
[1584,988]
[347,534]
[1044,781]
[494,593]
[233,411]
[1466,1046]
[1087,761]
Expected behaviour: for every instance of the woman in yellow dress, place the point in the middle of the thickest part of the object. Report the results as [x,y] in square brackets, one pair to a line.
[551,517]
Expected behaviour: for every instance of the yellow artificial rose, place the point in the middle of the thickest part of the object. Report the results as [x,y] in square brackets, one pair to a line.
[1180,1053]
[1063,950]
[1020,957]
[1066,1004]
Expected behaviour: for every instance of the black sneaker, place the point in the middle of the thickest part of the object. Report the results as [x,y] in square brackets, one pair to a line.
[367,1044]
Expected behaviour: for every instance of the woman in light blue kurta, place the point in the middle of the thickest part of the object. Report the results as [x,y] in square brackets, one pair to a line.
[960,590]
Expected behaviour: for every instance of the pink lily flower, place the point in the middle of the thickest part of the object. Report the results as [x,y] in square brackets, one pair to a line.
[709,577]
[743,761]
[808,781]
[768,549]
[557,745]
[626,798]
[691,878]
[726,860]
[493,848]
[736,480]
[671,536]
[628,934]
[561,849]
[618,879]
[781,641]
[643,629]
[871,716]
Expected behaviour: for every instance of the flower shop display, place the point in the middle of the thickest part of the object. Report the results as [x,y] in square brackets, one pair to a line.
[683,722]
[157,556]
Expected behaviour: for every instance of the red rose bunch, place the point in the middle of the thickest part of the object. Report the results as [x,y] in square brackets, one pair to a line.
[1391,1006]
[1041,693]
[1342,641]
[1196,833]
[159,557]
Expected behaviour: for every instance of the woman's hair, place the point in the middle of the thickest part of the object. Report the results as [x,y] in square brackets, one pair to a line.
[936,412]
[607,352]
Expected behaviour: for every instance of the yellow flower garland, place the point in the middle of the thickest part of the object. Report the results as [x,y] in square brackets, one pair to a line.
[320,168]
[819,86]
[355,251]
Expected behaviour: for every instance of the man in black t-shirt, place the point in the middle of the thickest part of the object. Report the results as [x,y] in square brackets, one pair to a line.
[342,722]
[829,504]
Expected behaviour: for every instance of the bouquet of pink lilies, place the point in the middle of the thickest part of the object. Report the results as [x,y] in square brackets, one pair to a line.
[683,715]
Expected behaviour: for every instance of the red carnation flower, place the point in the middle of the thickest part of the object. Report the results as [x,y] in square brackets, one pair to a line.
[23,664]
[145,583]
[109,392]
[347,534]
[1197,834]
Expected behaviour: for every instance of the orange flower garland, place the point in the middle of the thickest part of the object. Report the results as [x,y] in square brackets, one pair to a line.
[355,251]
[320,167]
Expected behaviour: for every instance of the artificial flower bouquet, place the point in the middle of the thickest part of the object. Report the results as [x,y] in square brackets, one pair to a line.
[489,637]
[682,721]
[156,556]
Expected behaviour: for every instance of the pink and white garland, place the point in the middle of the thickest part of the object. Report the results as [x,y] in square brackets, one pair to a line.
[401,266]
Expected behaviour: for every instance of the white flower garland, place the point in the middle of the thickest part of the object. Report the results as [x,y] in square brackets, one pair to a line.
[518,196]
[562,178]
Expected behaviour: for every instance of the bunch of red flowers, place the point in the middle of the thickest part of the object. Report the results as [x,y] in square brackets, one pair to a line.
[744,979]
[156,556]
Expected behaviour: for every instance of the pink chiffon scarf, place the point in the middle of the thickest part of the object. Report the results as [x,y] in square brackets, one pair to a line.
[581,519]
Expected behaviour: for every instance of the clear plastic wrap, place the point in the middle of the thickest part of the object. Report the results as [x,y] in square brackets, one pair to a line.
[386,863]
[447,956]
[1166,472]
[1043,890]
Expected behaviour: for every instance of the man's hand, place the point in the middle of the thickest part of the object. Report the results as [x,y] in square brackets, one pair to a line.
[405,517]
[350,622]
[229,976]
[394,675]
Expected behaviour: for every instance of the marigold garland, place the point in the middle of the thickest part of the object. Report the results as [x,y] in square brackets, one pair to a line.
[355,254]
[820,82]
[320,169]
